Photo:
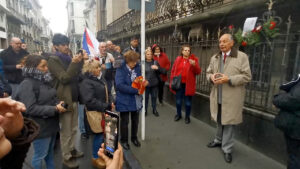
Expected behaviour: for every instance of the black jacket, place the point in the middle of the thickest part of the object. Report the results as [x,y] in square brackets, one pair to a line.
[153,75]
[41,107]
[288,118]
[93,94]
[10,59]
[4,86]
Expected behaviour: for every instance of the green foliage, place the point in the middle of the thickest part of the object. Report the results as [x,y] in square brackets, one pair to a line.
[268,30]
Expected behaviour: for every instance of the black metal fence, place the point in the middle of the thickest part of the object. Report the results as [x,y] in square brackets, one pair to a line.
[272,63]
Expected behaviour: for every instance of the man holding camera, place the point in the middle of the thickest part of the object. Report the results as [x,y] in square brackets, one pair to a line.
[65,70]
[106,60]
[229,72]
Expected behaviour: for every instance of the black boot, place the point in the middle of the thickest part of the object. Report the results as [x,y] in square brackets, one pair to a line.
[155,113]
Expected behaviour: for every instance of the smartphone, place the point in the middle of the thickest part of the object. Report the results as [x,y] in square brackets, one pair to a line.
[111,136]
[80,52]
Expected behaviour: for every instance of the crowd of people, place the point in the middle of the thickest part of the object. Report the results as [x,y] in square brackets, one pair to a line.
[53,92]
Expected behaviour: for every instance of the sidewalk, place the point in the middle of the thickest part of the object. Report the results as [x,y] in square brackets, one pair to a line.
[176,145]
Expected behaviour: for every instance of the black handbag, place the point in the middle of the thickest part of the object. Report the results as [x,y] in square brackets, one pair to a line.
[176,82]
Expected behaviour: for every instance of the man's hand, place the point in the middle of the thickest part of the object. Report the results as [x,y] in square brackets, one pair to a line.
[19,66]
[192,62]
[10,107]
[219,80]
[5,145]
[77,58]
[116,162]
[13,121]
[103,66]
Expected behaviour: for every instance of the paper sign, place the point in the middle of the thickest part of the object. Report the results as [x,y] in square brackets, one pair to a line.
[249,25]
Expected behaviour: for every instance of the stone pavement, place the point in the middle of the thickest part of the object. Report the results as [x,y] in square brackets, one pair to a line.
[175,145]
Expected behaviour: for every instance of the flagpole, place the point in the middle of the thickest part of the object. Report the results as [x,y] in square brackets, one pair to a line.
[143,61]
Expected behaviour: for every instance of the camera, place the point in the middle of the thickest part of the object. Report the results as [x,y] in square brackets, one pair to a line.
[80,52]
[65,105]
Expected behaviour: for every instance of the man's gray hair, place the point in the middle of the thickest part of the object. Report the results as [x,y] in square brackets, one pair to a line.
[229,36]
[102,44]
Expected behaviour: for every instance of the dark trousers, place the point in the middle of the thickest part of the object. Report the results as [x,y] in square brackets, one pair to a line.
[124,125]
[153,92]
[161,86]
[180,96]
[293,150]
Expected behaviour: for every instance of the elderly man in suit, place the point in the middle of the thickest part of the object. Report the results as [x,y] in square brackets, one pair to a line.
[229,72]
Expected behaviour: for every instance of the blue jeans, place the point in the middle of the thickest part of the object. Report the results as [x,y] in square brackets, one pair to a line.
[98,140]
[81,118]
[180,95]
[43,150]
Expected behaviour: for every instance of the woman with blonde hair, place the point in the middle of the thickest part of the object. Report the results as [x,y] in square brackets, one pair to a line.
[96,97]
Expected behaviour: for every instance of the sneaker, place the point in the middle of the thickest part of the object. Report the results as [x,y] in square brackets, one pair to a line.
[71,163]
[98,163]
[76,154]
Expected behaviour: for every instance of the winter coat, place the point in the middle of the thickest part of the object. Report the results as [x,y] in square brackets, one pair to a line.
[40,105]
[93,94]
[289,115]
[153,75]
[10,59]
[237,68]
[125,99]
[63,79]
[164,63]
[190,87]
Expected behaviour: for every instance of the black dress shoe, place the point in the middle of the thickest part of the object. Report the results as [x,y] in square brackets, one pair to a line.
[228,157]
[146,113]
[125,146]
[187,120]
[177,118]
[213,144]
[136,142]
[155,113]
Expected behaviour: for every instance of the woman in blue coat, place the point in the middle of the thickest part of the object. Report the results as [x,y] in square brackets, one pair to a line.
[128,100]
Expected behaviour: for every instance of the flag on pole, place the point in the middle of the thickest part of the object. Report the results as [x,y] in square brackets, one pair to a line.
[90,43]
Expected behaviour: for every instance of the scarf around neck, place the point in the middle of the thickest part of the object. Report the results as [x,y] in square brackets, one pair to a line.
[36,74]
[65,58]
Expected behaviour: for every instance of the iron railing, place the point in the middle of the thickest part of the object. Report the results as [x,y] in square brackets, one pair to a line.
[268,65]
[166,11]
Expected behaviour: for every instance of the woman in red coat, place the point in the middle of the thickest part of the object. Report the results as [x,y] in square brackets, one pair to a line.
[187,65]
[164,63]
